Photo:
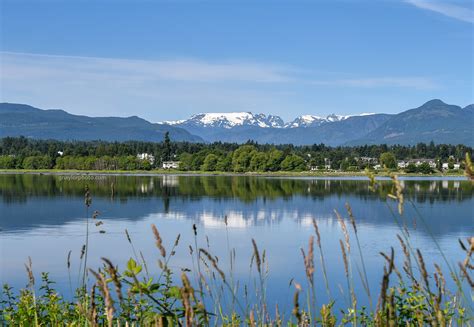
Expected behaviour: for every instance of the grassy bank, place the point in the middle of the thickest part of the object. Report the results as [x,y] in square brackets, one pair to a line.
[410,293]
[222,173]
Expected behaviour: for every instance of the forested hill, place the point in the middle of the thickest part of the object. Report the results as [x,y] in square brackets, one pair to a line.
[24,120]
[434,121]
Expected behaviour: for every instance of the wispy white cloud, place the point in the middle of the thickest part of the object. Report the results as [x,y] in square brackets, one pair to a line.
[155,89]
[186,70]
[168,89]
[452,10]
[421,83]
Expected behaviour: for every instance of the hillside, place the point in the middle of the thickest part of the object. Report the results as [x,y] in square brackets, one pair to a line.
[20,119]
[433,121]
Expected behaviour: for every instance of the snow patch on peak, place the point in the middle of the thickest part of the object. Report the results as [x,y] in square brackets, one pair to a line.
[333,118]
[231,119]
[234,119]
[172,122]
[310,118]
[306,121]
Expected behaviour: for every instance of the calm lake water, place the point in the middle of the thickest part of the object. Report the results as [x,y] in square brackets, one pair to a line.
[43,217]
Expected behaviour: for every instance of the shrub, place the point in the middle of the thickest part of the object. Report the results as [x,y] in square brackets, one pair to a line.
[37,162]
[7,162]
[293,162]
[387,159]
[210,163]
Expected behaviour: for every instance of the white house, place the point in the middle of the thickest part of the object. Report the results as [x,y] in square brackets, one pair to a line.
[402,164]
[146,156]
[170,164]
[418,162]
[367,160]
[445,166]
[327,163]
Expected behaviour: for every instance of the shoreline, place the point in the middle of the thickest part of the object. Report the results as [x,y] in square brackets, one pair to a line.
[162,172]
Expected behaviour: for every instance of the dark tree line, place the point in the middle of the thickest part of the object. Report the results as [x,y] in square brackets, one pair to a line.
[24,153]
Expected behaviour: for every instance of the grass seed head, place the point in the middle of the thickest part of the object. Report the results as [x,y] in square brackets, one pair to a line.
[159,241]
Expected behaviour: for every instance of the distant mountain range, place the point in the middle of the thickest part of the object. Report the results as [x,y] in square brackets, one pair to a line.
[434,121]
[332,133]
[24,120]
[230,120]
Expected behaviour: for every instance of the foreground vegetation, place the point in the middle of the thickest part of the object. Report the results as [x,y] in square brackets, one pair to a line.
[27,154]
[410,293]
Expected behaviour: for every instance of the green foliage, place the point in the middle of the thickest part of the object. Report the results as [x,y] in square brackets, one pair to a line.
[259,162]
[293,163]
[275,157]
[224,163]
[411,168]
[226,157]
[451,162]
[422,168]
[425,168]
[197,159]
[167,151]
[210,162]
[37,162]
[388,160]
[144,165]
[102,163]
[185,161]
[242,157]
[134,296]
[128,163]
[7,162]
[349,164]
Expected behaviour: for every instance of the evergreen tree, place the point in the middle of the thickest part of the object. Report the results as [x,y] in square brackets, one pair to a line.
[167,147]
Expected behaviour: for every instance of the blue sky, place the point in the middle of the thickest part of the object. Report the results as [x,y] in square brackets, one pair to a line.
[165,60]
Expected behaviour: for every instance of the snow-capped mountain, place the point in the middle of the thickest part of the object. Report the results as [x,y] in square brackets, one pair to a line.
[234,119]
[306,121]
[239,127]
[230,120]
[312,121]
